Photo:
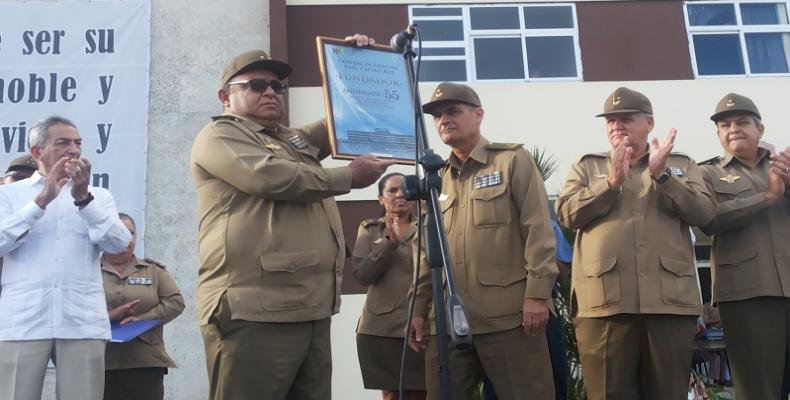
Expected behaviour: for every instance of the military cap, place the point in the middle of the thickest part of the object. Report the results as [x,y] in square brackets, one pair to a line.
[24,163]
[734,103]
[624,100]
[448,92]
[255,60]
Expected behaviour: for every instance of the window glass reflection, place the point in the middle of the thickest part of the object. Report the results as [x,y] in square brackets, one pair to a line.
[499,58]
[718,54]
[551,57]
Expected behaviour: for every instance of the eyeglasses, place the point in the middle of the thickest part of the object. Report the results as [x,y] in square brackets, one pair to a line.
[260,85]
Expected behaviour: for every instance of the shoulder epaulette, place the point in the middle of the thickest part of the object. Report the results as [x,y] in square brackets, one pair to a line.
[603,154]
[503,146]
[226,117]
[678,154]
[710,161]
[368,222]
[157,263]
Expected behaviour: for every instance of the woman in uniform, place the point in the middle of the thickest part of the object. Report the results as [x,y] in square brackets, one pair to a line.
[138,290]
[750,253]
[382,261]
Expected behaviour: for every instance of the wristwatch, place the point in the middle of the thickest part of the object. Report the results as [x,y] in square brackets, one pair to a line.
[84,202]
[663,177]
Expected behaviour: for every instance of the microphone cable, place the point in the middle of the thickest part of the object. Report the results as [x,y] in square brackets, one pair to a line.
[413,295]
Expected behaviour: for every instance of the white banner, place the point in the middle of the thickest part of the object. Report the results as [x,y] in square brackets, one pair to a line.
[86,61]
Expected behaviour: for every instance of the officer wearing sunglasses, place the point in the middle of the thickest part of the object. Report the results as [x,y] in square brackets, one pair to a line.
[270,238]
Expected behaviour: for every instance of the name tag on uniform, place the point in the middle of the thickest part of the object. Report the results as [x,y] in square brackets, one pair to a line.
[492,179]
[141,281]
[601,176]
[677,171]
[298,141]
[272,146]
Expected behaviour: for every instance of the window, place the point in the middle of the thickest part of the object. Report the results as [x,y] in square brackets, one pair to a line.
[498,42]
[739,38]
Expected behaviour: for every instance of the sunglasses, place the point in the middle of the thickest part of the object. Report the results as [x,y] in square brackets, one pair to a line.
[260,85]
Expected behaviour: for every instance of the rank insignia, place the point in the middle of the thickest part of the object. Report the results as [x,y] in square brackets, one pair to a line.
[298,141]
[677,171]
[272,146]
[730,178]
[492,179]
[141,281]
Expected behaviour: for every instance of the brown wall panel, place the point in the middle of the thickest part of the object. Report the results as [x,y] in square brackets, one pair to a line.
[307,22]
[352,213]
[633,40]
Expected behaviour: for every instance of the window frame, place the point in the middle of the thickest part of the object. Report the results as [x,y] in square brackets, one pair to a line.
[739,29]
[523,33]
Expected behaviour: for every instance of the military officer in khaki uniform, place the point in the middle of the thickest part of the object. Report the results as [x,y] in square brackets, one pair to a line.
[138,290]
[383,262]
[750,253]
[20,168]
[634,285]
[270,241]
[499,233]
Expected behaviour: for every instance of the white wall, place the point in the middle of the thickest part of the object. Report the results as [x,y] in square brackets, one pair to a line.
[559,116]
[192,41]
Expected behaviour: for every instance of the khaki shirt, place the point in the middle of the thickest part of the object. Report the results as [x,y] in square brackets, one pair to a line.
[385,266]
[160,299]
[496,216]
[633,251]
[750,253]
[270,234]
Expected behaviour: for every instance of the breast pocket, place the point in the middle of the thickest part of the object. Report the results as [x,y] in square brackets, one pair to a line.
[501,295]
[678,283]
[491,206]
[600,285]
[448,208]
[735,269]
[739,188]
[381,303]
[289,280]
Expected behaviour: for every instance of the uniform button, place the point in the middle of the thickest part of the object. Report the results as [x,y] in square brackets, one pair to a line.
[462,205]
[641,274]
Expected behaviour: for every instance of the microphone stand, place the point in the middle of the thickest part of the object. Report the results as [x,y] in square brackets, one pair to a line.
[436,248]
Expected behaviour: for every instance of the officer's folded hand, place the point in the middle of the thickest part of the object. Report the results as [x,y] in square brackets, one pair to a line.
[536,315]
[417,340]
[361,40]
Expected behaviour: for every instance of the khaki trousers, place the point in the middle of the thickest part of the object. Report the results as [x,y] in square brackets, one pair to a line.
[517,364]
[267,361]
[756,332]
[636,356]
[79,368]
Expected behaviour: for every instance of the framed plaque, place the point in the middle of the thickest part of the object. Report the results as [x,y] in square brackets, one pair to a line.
[369,103]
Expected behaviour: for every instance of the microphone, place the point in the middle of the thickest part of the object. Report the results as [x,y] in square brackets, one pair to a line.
[399,40]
